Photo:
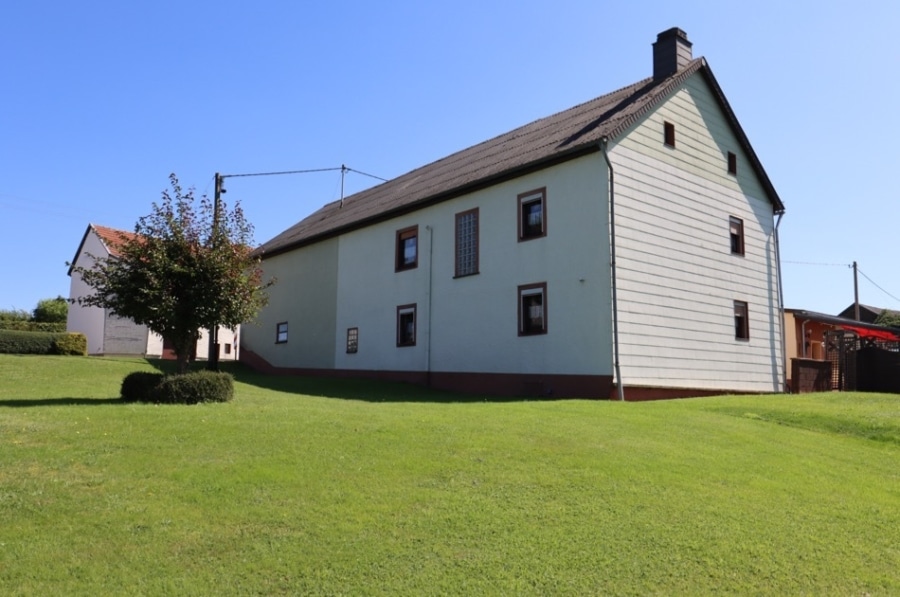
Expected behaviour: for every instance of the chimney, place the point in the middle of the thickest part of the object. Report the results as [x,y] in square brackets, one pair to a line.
[671,53]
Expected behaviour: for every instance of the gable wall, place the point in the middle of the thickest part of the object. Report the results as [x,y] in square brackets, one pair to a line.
[470,324]
[677,278]
[304,296]
[89,321]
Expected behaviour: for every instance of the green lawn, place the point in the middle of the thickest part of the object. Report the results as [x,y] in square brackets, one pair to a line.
[350,487]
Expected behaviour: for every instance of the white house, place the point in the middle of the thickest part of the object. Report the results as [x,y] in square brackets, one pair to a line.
[626,245]
[108,334]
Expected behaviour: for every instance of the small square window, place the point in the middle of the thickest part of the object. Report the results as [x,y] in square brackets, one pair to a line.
[406,325]
[407,252]
[466,243]
[352,340]
[732,163]
[533,309]
[533,214]
[281,332]
[736,228]
[669,134]
[741,321]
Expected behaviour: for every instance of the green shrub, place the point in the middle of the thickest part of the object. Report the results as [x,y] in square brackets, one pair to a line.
[20,342]
[51,310]
[198,386]
[70,344]
[190,388]
[141,386]
[16,342]
[31,326]
[14,315]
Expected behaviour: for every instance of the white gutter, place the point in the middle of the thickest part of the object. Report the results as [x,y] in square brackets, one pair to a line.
[612,270]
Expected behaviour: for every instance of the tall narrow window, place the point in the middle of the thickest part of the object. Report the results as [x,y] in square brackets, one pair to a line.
[669,134]
[732,163]
[736,226]
[352,340]
[406,325]
[741,321]
[281,332]
[407,251]
[533,214]
[467,243]
[533,309]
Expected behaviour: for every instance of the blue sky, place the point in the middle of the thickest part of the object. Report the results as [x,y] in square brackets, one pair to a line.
[101,100]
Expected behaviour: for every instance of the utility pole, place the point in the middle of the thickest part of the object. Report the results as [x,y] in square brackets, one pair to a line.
[855,294]
[212,359]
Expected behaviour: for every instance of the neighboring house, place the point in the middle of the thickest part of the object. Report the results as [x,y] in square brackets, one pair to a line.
[108,334]
[491,270]
[867,313]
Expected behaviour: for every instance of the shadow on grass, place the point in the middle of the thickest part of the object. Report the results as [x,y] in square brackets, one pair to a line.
[24,402]
[344,388]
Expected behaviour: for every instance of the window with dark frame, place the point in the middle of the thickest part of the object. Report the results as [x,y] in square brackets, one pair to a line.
[227,348]
[736,231]
[466,243]
[533,309]
[407,252]
[533,214]
[732,163]
[669,134]
[406,325]
[741,321]
[352,340]
[281,332]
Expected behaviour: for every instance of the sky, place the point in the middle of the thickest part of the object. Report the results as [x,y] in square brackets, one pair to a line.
[101,100]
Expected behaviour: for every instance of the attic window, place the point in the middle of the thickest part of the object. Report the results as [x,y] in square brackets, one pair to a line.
[533,214]
[669,134]
[407,253]
[732,163]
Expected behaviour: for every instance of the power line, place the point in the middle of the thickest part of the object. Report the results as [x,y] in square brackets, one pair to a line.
[876,285]
[814,263]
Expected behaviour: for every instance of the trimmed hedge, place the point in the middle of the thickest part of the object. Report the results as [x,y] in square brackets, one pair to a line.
[18,342]
[32,326]
[190,388]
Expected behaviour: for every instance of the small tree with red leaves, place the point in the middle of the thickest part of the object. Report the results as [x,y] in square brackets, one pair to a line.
[185,269]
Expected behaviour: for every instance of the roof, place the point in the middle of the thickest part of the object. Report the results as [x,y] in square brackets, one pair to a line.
[844,322]
[866,312]
[560,137]
[111,238]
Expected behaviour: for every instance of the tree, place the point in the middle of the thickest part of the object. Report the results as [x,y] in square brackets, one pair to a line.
[888,318]
[51,310]
[186,268]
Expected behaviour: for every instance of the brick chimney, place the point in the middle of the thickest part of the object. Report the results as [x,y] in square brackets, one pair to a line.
[671,53]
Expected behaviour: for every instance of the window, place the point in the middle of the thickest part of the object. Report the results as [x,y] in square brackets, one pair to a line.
[467,243]
[533,214]
[669,134]
[533,309]
[736,226]
[406,325]
[732,163]
[741,321]
[352,340]
[281,330]
[407,248]
[227,348]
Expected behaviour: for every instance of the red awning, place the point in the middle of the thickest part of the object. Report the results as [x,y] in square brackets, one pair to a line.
[869,333]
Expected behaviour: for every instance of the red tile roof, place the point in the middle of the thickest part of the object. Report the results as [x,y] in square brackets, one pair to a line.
[112,238]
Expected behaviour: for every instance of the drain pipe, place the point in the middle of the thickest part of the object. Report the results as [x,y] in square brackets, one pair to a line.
[430,293]
[612,269]
[784,386]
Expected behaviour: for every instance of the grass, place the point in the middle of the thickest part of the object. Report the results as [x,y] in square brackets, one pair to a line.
[303,486]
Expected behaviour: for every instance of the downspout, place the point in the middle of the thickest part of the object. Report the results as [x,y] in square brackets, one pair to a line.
[784,386]
[430,293]
[612,269]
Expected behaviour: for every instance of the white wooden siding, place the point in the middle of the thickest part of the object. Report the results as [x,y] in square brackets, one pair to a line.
[677,279]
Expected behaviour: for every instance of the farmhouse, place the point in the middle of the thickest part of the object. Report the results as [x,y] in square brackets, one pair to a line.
[624,247]
[108,334]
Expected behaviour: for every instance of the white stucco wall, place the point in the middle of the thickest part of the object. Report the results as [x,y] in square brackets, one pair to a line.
[89,321]
[470,324]
[304,296]
[677,278]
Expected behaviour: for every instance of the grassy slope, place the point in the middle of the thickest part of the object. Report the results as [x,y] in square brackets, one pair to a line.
[297,487]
